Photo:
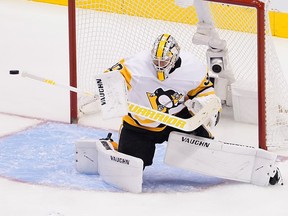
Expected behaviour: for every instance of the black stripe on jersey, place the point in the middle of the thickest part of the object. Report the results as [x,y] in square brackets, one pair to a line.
[191,97]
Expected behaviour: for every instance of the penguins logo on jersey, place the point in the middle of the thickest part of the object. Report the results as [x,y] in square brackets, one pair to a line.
[164,100]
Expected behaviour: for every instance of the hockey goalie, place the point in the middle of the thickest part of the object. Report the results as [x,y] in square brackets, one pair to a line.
[167,90]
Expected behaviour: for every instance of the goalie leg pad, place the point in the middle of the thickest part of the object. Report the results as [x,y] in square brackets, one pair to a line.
[86,157]
[118,169]
[223,160]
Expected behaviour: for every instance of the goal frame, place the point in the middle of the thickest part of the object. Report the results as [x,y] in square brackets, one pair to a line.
[257,4]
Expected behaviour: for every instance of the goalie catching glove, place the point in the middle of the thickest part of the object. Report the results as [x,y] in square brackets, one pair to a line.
[196,104]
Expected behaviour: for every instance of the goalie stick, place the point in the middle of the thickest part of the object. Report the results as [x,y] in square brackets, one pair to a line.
[190,124]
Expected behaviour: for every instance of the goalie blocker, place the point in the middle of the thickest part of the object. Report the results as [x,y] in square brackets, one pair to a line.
[223,160]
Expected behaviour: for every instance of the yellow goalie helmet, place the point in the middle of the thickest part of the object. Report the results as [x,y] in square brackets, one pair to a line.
[165,53]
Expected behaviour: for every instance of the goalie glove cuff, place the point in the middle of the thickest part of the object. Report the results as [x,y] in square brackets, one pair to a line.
[196,104]
[111,141]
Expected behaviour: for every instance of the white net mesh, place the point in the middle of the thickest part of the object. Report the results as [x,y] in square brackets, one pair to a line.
[110,30]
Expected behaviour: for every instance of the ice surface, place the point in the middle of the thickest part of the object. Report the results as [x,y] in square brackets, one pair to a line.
[36,157]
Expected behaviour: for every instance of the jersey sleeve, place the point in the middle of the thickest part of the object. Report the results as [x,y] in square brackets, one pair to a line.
[120,66]
[205,88]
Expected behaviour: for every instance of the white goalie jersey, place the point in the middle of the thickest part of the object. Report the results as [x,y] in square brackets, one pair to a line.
[188,78]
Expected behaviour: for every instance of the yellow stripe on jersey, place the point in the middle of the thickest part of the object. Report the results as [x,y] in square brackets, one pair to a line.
[132,122]
[123,70]
[205,88]
[160,75]
[127,76]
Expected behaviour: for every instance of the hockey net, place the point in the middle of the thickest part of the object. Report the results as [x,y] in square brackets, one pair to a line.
[107,31]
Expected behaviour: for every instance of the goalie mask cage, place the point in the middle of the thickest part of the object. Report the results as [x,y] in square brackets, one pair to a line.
[102,32]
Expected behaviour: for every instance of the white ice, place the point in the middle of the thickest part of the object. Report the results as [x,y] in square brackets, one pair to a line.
[34,37]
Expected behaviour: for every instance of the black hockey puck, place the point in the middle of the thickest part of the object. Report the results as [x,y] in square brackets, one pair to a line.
[14,72]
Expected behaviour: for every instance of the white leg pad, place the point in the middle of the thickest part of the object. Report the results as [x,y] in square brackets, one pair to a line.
[120,170]
[86,157]
[264,166]
[223,160]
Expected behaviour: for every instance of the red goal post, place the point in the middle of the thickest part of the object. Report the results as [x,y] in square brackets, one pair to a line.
[103,32]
